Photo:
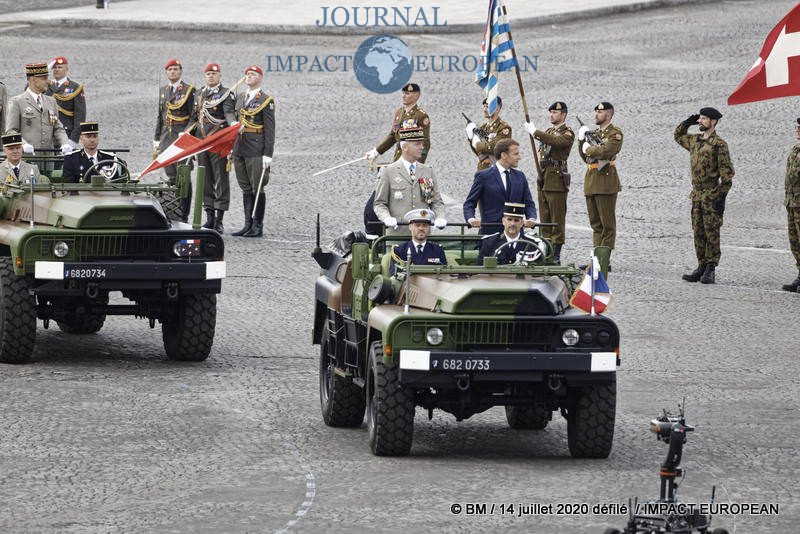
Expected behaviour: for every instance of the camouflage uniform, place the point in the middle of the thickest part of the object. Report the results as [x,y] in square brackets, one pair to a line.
[554,148]
[496,130]
[407,119]
[712,175]
[601,185]
[792,201]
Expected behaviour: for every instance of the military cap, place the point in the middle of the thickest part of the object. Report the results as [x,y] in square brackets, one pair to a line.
[173,63]
[60,60]
[12,139]
[499,101]
[90,127]
[411,88]
[604,105]
[420,215]
[211,67]
[514,209]
[415,133]
[711,113]
[558,106]
[36,69]
[254,68]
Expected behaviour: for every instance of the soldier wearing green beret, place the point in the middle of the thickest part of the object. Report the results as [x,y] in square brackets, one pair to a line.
[712,177]
[555,144]
[792,203]
[495,129]
[599,150]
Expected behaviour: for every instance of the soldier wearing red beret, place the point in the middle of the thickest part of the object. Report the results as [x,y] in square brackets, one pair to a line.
[70,98]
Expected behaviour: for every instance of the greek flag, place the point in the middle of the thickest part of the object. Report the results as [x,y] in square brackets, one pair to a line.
[497,52]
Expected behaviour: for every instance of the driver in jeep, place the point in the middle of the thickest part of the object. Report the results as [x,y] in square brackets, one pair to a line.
[495,244]
[78,162]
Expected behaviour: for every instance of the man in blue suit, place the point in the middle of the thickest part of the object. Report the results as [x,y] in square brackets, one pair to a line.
[422,252]
[495,186]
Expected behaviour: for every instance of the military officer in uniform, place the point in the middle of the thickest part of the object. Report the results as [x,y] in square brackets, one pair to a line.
[601,183]
[35,115]
[407,184]
[555,144]
[252,153]
[13,170]
[712,177]
[215,110]
[78,162]
[792,203]
[175,112]
[495,129]
[513,216]
[422,252]
[70,98]
[410,115]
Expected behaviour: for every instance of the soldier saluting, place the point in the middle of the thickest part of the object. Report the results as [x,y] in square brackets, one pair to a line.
[792,203]
[712,177]
[70,98]
[495,129]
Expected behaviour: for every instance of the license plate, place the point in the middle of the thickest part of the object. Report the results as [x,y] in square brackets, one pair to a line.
[461,364]
[84,273]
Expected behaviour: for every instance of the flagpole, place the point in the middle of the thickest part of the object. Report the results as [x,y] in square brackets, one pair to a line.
[592,274]
[524,103]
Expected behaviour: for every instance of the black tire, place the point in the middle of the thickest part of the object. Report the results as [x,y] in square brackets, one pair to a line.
[390,408]
[342,402]
[86,323]
[171,205]
[17,316]
[188,331]
[590,425]
[527,417]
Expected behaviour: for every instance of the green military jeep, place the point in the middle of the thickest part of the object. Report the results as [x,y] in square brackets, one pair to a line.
[461,338]
[64,247]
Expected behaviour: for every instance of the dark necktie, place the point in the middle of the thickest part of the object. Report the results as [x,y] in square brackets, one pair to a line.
[507,184]
[16,171]
[419,249]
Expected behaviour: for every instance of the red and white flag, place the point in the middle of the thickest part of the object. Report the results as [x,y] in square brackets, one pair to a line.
[776,72]
[188,145]
[593,288]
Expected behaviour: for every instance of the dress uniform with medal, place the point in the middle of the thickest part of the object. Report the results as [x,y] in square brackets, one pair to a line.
[495,128]
[70,99]
[80,161]
[492,242]
[13,170]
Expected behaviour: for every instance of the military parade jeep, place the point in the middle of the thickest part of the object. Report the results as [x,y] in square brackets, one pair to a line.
[65,246]
[461,338]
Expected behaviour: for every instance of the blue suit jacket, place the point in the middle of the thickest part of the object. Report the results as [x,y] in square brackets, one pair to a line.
[432,254]
[487,189]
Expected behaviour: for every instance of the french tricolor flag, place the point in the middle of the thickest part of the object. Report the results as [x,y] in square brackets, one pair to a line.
[593,284]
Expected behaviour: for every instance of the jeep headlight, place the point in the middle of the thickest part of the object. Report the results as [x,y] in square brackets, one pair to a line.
[570,337]
[61,249]
[435,336]
[186,247]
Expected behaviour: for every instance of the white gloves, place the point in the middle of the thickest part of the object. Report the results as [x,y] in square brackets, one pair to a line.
[390,222]
[155,145]
[471,130]
[475,141]
[372,154]
[440,223]
[27,148]
[584,146]
[66,148]
[266,160]
[530,128]
[582,132]
[72,144]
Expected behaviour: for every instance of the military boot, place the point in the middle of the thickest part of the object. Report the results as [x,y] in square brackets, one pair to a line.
[257,228]
[247,201]
[695,275]
[557,254]
[211,220]
[708,275]
[218,222]
[793,286]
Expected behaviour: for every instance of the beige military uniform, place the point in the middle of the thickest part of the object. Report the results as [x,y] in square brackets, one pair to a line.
[8,176]
[410,118]
[556,143]
[601,185]
[40,128]
[397,193]
[496,130]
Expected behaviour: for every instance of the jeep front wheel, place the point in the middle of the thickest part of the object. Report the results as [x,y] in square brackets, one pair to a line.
[529,417]
[17,316]
[590,423]
[188,329]
[390,408]
[342,402]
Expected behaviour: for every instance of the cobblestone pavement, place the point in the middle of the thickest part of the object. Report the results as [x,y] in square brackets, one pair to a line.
[103,434]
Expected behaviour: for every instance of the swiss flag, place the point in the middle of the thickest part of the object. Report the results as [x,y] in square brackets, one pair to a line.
[188,145]
[776,73]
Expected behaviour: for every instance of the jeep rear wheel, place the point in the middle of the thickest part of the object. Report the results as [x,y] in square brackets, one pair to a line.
[530,417]
[17,316]
[342,402]
[590,423]
[390,408]
[188,330]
